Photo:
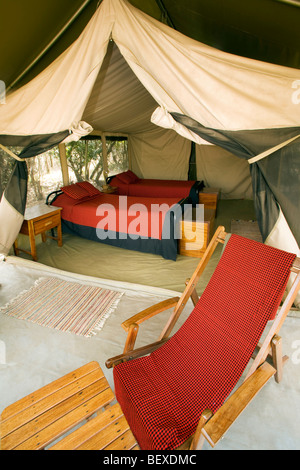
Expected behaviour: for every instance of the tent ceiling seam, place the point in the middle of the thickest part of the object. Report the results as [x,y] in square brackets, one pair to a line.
[165,13]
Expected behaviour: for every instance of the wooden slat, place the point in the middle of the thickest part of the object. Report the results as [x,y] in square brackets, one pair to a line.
[67,422]
[43,392]
[125,442]
[216,427]
[37,423]
[89,429]
[46,415]
[39,407]
[100,440]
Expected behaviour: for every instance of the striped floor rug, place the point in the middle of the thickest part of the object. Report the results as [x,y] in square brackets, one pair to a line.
[66,306]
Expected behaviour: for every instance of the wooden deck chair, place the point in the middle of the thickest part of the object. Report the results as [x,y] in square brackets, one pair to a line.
[175,397]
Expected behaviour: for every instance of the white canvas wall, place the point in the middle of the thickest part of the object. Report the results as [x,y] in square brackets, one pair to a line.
[221,169]
[161,154]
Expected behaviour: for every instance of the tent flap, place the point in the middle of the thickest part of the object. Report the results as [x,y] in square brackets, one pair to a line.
[12,207]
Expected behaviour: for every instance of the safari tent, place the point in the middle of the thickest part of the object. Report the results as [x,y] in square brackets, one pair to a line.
[216,84]
[167,81]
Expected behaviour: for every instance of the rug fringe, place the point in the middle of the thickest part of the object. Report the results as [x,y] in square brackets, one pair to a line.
[25,291]
[44,316]
[99,325]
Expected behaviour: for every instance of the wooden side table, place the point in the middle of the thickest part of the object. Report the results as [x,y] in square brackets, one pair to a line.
[36,422]
[37,220]
[196,234]
[106,188]
[209,197]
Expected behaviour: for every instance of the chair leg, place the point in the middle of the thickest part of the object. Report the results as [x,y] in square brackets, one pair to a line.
[194,295]
[275,356]
[278,359]
[199,439]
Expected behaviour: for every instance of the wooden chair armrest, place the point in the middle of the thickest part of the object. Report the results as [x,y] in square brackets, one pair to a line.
[220,422]
[134,354]
[150,312]
[132,327]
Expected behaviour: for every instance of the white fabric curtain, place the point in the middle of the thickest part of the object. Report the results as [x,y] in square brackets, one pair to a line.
[11,221]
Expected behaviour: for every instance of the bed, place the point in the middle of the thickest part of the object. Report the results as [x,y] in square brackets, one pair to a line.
[146,224]
[129,184]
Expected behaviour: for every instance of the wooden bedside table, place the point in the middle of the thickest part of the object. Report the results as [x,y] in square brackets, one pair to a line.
[196,234]
[109,189]
[37,220]
[209,197]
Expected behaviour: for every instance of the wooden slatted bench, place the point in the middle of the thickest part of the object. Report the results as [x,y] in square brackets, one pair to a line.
[46,415]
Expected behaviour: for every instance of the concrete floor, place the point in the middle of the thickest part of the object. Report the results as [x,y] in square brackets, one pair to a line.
[32,356]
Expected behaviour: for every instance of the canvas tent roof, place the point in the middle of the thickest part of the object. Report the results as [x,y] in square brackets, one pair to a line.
[266,30]
[180,74]
[199,91]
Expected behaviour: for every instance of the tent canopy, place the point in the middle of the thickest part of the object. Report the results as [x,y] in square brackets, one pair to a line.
[128,72]
[266,30]
[217,89]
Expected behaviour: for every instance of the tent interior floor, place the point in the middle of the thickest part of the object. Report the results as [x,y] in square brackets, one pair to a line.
[100,260]
[32,356]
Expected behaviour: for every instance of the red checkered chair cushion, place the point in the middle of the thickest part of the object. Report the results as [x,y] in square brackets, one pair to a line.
[163,395]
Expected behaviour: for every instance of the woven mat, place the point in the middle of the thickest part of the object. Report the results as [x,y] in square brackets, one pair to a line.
[246,228]
[66,306]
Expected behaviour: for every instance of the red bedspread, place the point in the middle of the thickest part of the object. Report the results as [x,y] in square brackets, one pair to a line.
[154,188]
[140,216]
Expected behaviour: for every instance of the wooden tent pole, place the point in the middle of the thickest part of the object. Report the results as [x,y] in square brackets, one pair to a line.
[104,159]
[63,163]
